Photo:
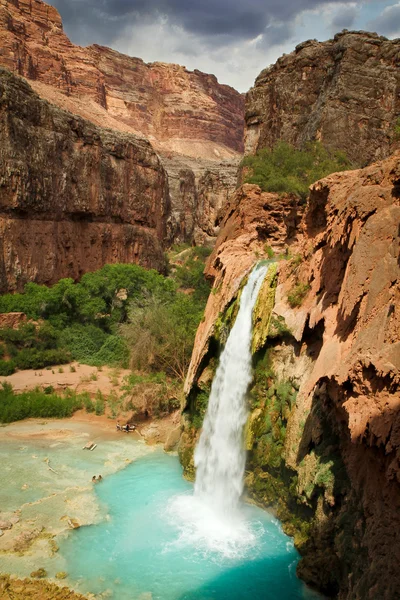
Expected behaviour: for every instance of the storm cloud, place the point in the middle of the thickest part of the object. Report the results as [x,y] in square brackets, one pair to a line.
[90,20]
[234,40]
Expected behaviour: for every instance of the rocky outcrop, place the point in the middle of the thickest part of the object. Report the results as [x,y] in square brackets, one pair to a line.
[178,110]
[73,196]
[20,589]
[255,224]
[343,92]
[199,191]
[323,433]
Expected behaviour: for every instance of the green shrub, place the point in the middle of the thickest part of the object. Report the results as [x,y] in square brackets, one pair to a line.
[30,358]
[7,367]
[287,170]
[297,294]
[396,129]
[35,403]
[82,320]
[268,251]
[99,405]
[160,335]
[114,353]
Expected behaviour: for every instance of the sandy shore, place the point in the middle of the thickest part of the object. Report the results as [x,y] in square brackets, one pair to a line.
[80,378]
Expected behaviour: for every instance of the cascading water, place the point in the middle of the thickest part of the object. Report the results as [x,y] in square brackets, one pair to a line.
[209,519]
[220,456]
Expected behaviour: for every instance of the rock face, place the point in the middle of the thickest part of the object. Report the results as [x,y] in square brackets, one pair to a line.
[73,196]
[179,110]
[323,434]
[199,191]
[192,121]
[343,92]
[254,221]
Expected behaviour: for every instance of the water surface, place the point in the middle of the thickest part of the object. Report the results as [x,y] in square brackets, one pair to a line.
[146,550]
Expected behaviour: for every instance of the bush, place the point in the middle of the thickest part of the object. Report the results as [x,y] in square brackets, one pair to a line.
[30,358]
[160,335]
[114,352]
[297,294]
[82,320]
[36,403]
[7,367]
[287,170]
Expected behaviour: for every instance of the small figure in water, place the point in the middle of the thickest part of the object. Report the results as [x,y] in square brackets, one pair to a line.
[94,480]
[99,478]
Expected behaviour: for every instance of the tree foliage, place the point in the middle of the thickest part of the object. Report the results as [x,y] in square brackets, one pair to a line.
[81,321]
[284,169]
[161,334]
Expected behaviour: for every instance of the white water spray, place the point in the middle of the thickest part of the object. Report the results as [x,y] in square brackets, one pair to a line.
[220,455]
[209,520]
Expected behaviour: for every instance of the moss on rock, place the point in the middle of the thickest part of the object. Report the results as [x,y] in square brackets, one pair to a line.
[263,309]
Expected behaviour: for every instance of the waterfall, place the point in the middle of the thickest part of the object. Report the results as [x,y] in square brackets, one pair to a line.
[209,519]
[220,455]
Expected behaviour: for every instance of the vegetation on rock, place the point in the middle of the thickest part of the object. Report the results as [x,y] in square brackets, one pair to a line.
[284,169]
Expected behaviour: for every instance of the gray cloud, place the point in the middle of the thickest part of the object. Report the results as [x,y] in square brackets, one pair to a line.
[388,22]
[101,21]
[344,18]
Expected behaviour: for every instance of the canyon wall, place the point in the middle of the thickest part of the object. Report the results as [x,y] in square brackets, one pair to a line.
[178,110]
[323,431]
[194,123]
[73,196]
[343,92]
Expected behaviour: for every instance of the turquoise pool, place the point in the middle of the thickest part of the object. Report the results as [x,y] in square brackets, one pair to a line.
[157,544]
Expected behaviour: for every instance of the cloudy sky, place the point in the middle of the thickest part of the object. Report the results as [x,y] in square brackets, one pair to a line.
[233,39]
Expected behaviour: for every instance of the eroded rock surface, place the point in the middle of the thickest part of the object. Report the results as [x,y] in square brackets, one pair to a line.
[254,223]
[323,434]
[343,92]
[193,122]
[199,191]
[179,110]
[73,196]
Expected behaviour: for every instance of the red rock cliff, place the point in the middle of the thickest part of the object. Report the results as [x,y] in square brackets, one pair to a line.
[73,196]
[337,342]
[343,92]
[179,110]
[195,123]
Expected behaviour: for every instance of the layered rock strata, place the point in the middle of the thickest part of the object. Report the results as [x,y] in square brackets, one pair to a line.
[343,92]
[323,432]
[73,196]
[179,110]
[192,121]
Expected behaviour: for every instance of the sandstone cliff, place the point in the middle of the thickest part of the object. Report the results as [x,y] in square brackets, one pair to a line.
[193,122]
[73,196]
[343,92]
[323,433]
[199,192]
[180,110]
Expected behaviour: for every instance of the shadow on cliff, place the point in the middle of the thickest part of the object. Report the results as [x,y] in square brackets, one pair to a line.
[266,579]
[354,547]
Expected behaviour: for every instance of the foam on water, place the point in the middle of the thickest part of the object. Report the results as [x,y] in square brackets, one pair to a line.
[211,534]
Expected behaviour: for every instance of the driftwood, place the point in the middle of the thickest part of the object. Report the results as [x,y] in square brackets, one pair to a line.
[47,461]
[89,446]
